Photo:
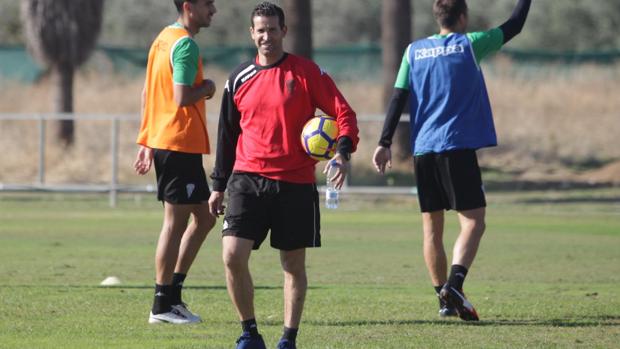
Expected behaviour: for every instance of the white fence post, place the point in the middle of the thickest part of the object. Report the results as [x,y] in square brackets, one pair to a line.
[41,151]
[114,168]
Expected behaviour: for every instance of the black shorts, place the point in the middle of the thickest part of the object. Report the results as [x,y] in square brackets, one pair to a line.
[257,204]
[449,180]
[181,178]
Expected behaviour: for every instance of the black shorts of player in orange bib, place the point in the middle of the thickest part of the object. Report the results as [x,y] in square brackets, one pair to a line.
[181,179]
[257,204]
[449,180]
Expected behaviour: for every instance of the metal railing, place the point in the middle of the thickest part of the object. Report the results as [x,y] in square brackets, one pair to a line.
[113,187]
[42,118]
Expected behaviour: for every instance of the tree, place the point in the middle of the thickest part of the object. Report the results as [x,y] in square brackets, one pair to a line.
[61,35]
[10,30]
[395,36]
[299,19]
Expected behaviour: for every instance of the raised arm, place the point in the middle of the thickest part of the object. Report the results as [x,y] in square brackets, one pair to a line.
[515,23]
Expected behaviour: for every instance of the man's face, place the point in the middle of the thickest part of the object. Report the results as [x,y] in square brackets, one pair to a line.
[267,35]
[202,11]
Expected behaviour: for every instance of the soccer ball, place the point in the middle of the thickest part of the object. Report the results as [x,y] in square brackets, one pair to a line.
[319,137]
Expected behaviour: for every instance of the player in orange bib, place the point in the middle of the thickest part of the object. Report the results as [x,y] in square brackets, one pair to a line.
[173,136]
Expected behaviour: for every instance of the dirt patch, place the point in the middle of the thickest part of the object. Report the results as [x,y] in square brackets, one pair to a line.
[608,174]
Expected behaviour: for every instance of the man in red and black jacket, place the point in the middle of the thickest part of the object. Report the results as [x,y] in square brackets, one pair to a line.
[270,179]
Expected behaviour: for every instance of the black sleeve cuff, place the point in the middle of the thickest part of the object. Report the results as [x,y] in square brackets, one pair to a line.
[219,184]
[345,147]
[385,143]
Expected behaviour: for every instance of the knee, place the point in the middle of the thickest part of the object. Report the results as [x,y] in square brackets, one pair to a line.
[234,262]
[477,227]
[433,237]
[202,225]
[173,228]
[296,276]
[294,267]
[168,228]
[205,224]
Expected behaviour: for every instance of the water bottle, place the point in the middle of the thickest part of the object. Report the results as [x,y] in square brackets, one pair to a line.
[331,193]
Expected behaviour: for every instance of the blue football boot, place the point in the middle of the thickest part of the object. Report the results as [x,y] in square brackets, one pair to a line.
[286,344]
[248,342]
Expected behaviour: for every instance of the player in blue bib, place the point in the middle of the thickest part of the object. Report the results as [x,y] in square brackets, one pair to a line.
[450,119]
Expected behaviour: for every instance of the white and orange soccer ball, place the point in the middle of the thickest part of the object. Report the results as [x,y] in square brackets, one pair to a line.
[319,137]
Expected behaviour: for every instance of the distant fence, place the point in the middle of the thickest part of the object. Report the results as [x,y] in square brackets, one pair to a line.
[113,186]
[359,62]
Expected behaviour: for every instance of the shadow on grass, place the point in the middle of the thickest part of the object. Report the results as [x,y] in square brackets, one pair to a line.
[592,321]
[524,185]
[583,200]
[146,287]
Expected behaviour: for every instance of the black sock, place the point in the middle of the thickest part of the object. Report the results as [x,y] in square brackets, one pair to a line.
[177,287]
[290,334]
[457,276]
[250,327]
[437,289]
[161,301]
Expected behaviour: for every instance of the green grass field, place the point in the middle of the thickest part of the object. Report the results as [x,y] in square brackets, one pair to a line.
[547,276]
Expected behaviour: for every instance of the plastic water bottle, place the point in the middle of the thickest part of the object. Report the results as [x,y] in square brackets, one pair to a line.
[331,193]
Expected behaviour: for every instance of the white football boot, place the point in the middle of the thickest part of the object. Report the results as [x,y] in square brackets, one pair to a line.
[182,308]
[172,317]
